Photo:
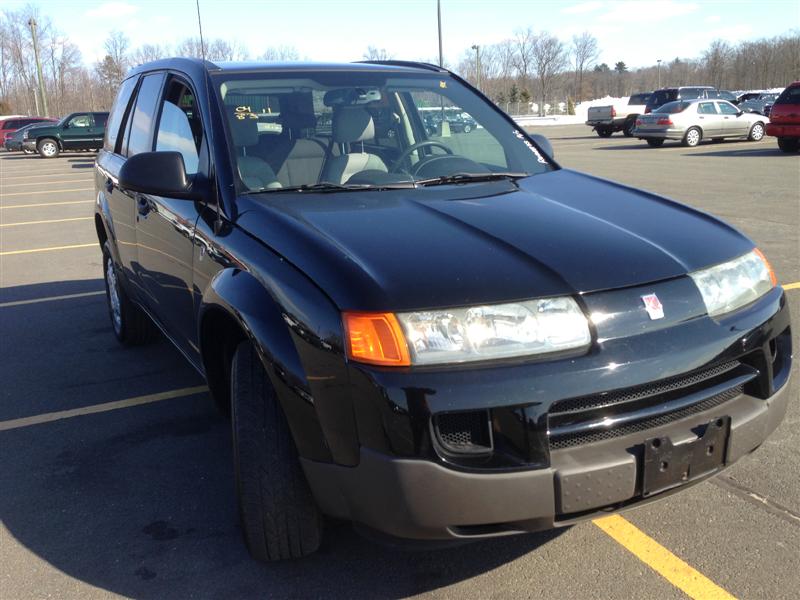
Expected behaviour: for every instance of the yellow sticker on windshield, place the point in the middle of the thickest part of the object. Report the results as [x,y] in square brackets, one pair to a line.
[443,84]
[244,112]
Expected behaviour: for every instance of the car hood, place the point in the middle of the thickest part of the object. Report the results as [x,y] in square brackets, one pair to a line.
[552,234]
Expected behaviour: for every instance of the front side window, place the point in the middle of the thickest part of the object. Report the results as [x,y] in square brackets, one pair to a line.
[179,128]
[366,128]
[79,121]
[727,109]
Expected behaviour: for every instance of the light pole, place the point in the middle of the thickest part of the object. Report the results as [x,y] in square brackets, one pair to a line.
[439,16]
[658,66]
[477,49]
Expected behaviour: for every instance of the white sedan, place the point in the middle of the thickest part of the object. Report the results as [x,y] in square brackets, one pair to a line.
[691,121]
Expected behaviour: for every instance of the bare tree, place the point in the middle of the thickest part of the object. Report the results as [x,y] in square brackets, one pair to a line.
[148,53]
[524,40]
[373,53]
[716,60]
[281,54]
[549,59]
[585,52]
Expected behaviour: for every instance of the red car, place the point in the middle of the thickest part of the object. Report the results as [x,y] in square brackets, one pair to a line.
[784,119]
[9,125]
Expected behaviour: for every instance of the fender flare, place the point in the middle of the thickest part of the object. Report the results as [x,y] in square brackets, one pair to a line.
[245,300]
[103,210]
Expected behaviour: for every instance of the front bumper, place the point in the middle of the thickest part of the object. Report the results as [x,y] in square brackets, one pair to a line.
[403,481]
[419,499]
[783,130]
[29,145]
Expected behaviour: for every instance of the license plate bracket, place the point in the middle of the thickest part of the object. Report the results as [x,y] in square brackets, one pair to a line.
[666,465]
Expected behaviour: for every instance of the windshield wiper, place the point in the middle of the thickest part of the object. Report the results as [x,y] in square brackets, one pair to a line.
[327,187]
[469,178]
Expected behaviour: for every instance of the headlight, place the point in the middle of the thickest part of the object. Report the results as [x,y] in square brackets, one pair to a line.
[731,285]
[494,331]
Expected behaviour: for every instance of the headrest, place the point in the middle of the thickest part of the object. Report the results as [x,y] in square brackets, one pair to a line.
[244,132]
[352,124]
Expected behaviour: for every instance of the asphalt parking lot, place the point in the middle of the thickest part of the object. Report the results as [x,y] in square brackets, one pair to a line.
[137,498]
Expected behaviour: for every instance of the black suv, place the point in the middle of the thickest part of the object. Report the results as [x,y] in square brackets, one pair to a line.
[437,338]
[660,97]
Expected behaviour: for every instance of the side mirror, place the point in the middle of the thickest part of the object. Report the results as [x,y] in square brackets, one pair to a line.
[157,173]
[544,144]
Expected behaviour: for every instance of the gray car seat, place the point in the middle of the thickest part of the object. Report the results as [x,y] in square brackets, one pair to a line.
[253,171]
[299,157]
[352,124]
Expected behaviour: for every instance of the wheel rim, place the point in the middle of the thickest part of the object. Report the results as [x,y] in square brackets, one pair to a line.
[693,137]
[113,296]
[758,132]
[49,148]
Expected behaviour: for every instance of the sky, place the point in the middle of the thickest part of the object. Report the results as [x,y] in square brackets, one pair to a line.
[638,32]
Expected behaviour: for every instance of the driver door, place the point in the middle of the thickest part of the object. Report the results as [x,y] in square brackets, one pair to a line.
[734,125]
[76,132]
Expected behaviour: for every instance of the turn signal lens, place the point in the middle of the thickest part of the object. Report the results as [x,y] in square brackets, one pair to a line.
[772,276]
[375,338]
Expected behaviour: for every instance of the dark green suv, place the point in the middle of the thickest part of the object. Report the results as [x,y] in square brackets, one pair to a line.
[78,131]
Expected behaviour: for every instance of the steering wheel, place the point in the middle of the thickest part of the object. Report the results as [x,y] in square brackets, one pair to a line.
[414,147]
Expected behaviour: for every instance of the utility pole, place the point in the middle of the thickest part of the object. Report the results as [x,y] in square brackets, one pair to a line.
[477,65]
[32,25]
[36,102]
[439,15]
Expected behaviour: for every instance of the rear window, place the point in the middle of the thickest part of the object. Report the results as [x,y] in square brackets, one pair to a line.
[671,108]
[790,95]
[662,97]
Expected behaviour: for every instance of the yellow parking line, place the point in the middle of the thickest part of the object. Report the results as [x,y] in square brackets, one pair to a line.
[46,192]
[690,581]
[4,176]
[5,185]
[50,299]
[46,204]
[99,408]
[44,222]
[792,286]
[50,249]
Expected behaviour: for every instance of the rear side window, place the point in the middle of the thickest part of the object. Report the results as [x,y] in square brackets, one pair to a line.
[118,112]
[11,124]
[100,119]
[140,135]
[639,99]
[662,97]
[790,95]
[707,108]
[689,93]
[672,108]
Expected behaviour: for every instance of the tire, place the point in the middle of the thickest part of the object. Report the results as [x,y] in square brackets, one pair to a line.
[48,148]
[604,132]
[279,517]
[788,144]
[467,128]
[756,132]
[692,137]
[630,125]
[132,327]
[655,142]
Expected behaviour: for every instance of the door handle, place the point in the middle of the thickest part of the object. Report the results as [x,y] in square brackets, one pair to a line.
[109,185]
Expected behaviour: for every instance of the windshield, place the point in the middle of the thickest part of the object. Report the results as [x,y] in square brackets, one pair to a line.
[367,130]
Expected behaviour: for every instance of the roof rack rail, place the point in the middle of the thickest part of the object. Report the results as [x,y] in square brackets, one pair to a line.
[405,63]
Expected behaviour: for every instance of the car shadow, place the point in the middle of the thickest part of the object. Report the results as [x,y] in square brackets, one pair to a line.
[140,501]
[772,151]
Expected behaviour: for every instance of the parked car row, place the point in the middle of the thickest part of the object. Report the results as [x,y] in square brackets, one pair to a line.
[48,137]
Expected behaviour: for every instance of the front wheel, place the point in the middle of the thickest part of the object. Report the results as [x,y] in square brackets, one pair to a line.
[655,142]
[692,137]
[756,132]
[279,517]
[131,325]
[788,144]
[48,148]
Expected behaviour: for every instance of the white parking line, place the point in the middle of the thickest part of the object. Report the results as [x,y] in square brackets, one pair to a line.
[46,204]
[50,299]
[99,408]
[45,192]
[7,185]
[45,222]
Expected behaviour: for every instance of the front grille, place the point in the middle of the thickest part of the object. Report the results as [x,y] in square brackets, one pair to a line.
[463,432]
[643,391]
[588,419]
[579,439]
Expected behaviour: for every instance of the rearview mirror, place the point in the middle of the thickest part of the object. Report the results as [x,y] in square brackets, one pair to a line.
[157,173]
[544,144]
